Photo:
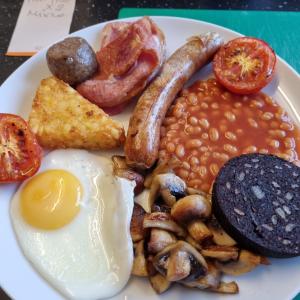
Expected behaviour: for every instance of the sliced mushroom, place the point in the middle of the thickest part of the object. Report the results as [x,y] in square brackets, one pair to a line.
[210,280]
[139,267]
[192,242]
[190,208]
[179,266]
[159,283]
[198,231]
[226,288]
[168,197]
[162,168]
[168,186]
[143,200]
[180,262]
[159,239]
[247,262]
[163,221]
[136,224]
[222,253]
[121,169]
[220,237]
[150,266]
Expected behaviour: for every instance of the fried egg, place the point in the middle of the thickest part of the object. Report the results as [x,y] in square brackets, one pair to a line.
[72,222]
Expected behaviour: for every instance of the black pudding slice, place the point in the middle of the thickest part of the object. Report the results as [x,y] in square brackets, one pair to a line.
[256,198]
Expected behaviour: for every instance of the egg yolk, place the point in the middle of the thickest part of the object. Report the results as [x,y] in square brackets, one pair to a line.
[49,200]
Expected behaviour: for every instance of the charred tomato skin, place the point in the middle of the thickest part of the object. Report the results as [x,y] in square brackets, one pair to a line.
[20,153]
[244,65]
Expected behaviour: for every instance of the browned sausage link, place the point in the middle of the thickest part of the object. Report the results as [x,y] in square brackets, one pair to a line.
[142,142]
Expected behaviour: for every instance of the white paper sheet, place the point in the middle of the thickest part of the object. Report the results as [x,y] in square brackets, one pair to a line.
[40,23]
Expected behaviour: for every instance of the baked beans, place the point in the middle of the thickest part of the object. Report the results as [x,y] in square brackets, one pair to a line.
[213,134]
[193,143]
[230,136]
[208,125]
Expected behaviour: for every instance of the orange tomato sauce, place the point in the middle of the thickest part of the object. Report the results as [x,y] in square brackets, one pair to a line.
[207,125]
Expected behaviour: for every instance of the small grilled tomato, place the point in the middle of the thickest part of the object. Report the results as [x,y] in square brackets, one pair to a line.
[20,153]
[244,65]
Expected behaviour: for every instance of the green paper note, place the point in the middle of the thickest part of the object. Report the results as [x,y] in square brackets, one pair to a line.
[280,29]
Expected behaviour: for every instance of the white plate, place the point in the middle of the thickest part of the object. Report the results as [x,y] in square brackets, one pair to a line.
[280,280]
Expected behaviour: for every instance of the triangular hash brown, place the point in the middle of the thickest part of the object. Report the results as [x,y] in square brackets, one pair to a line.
[62,118]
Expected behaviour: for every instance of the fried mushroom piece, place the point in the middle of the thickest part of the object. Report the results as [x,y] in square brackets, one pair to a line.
[246,262]
[180,262]
[136,223]
[164,221]
[192,242]
[143,200]
[222,253]
[121,169]
[220,237]
[139,267]
[190,208]
[159,283]
[150,267]
[159,239]
[210,280]
[198,231]
[226,288]
[162,168]
[168,186]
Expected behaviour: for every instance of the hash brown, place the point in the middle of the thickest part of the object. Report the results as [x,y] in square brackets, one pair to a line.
[62,118]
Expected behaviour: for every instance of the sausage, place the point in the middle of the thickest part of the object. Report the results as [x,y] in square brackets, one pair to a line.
[142,142]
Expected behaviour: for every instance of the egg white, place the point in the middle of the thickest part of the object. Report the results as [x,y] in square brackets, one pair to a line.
[91,257]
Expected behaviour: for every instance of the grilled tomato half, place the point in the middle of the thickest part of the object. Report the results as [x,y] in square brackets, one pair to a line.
[20,153]
[244,65]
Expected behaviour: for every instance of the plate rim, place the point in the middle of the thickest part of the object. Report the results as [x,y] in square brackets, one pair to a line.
[134,18]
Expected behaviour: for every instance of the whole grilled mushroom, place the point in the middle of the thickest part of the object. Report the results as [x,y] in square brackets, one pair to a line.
[72,60]
[190,208]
